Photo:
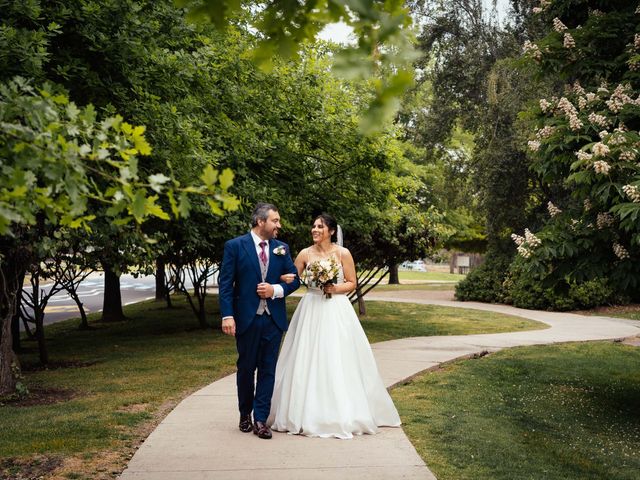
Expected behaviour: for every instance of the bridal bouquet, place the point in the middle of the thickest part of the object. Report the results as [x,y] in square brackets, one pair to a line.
[324,272]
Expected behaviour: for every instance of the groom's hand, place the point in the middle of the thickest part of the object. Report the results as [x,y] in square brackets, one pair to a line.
[229,326]
[265,290]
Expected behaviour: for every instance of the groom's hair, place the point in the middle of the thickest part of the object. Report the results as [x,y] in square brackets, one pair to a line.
[261,212]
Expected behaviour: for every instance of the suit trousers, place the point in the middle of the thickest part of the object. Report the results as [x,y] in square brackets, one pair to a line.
[257,349]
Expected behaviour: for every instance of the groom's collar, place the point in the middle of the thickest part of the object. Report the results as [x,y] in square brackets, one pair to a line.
[256,239]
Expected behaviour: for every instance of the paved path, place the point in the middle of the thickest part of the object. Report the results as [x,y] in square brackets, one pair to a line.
[199,439]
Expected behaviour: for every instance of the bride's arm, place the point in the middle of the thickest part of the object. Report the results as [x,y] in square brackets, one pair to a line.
[349,270]
[300,264]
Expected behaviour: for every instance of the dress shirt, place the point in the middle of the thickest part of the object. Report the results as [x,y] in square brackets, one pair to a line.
[278,292]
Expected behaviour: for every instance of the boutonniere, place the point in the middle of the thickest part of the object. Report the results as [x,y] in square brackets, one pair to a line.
[280,250]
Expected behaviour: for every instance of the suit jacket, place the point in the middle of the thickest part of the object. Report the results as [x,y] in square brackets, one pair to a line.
[240,275]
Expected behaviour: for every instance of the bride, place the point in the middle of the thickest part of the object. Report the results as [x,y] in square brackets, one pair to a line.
[327,382]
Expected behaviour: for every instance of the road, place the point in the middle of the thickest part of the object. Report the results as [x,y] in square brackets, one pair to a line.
[62,307]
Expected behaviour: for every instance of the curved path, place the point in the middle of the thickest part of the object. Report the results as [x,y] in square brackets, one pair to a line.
[200,440]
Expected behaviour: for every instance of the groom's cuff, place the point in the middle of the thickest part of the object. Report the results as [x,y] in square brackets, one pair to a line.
[278,291]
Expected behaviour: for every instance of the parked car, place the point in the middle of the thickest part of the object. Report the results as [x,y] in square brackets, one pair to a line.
[416,266]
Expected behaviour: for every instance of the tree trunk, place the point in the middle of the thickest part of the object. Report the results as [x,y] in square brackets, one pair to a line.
[362,308]
[161,282]
[15,331]
[112,302]
[84,322]
[10,275]
[42,344]
[393,274]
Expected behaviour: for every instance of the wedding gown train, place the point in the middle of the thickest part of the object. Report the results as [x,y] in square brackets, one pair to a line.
[327,382]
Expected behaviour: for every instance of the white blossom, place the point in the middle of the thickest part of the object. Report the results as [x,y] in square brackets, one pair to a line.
[600,149]
[575,123]
[531,239]
[628,156]
[568,41]
[553,210]
[558,26]
[591,96]
[577,88]
[604,220]
[599,120]
[544,105]
[632,192]
[534,145]
[545,132]
[582,155]
[602,167]
[620,251]
[603,134]
[587,204]
[532,49]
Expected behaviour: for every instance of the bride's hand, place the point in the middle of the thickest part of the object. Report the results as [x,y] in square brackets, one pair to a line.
[288,277]
[330,288]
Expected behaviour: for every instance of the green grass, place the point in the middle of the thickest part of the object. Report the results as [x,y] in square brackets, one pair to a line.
[125,376]
[428,276]
[551,412]
[415,286]
[388,321]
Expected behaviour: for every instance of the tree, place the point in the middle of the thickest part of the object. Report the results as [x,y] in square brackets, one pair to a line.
[584,146]
[58,157]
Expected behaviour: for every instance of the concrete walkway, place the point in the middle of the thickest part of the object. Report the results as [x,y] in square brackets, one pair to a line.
[200,440]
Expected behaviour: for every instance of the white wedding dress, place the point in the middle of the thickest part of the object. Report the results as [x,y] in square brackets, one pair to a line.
[327,382]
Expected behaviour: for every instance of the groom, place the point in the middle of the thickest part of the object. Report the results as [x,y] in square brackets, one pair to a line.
[253,309]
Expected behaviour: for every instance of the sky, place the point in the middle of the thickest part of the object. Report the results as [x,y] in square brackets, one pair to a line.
[339,32]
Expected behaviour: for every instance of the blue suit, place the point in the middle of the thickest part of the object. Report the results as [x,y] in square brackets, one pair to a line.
[258,337]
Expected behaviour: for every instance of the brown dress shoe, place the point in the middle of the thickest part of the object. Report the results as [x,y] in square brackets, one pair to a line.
[261,429]
[246,425]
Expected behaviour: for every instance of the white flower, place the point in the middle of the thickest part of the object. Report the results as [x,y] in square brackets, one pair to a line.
[577,88]
[603,220]
[600,149]
[544,105]
[279,250]
[532,49]
[591,96]
[531,239]
[575,123]
[603,134]
[601,167]
[599,120]
[558,26]
[628,156]
[636,41]
[632,192]
[582,155]
[536,10]
[582,103]
[534,145]
[545,132]
[553,210]
[568,41]
[620,251]
[517,239]
[587,204]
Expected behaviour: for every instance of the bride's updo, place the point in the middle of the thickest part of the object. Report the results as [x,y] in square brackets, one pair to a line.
[331,224]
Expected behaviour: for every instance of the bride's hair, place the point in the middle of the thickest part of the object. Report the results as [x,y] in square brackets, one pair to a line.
[331,224]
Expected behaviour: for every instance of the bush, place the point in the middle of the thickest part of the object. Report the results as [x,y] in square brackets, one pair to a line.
[484,283]
[524,290]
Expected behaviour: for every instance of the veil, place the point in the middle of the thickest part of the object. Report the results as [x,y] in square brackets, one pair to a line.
[339,236]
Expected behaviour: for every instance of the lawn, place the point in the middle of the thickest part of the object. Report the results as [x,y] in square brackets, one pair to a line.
[110,386]
[549,412]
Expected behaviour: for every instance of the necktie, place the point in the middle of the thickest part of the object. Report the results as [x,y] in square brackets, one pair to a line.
[263,254]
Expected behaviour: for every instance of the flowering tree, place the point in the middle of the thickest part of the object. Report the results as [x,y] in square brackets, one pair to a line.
[585,148]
